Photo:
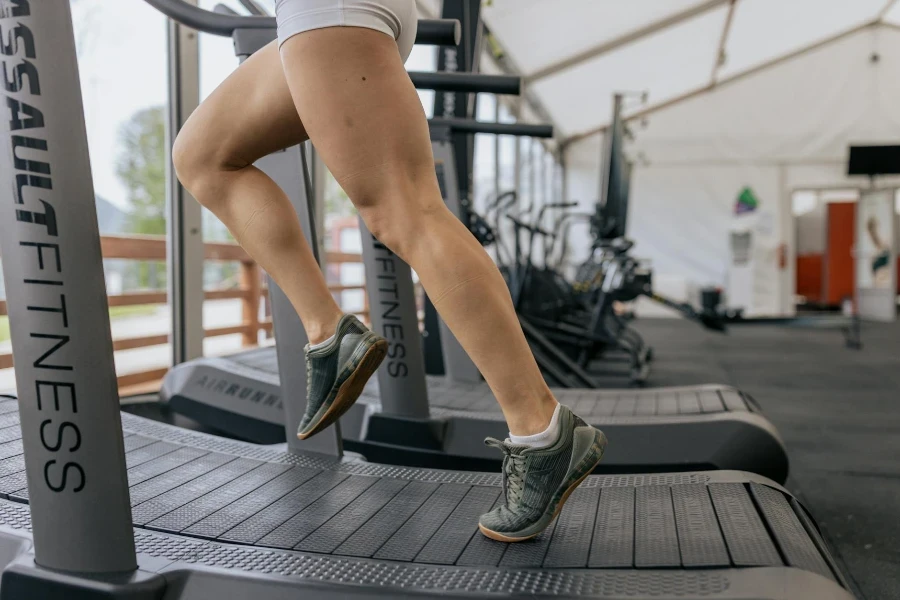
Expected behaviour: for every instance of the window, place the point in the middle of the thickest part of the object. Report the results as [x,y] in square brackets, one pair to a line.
[217,62]
[507,152]
[121,49]
[484,176]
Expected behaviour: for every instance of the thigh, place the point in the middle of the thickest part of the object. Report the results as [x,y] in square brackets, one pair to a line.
[251,114]
[361,111]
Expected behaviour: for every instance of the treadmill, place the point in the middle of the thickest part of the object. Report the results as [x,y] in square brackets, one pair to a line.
[99,504]
[406,417]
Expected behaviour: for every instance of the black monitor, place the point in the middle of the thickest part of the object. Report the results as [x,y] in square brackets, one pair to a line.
[612,209]
[874,160]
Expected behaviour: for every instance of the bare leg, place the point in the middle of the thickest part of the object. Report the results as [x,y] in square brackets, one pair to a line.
[364,116]
[248,116]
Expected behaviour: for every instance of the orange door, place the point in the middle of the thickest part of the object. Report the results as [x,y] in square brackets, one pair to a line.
[838,267]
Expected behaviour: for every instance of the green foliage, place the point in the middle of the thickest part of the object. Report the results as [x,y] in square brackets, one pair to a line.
[116,312]
[337,203]
[142,169]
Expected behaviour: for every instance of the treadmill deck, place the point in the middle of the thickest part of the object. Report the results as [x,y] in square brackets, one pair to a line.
[476,400]
[691,428]
[222,503]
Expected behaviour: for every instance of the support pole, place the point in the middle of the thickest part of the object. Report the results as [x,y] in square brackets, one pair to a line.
[392,311]
[59,319]
[184,251]
[289,169]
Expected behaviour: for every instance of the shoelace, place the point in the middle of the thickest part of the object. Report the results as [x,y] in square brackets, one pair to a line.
[308,378]
[513,470]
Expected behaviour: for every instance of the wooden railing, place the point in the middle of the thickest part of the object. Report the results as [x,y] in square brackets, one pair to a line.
[250,291]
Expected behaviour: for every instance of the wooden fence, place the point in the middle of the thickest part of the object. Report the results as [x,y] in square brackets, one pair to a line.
[250,291]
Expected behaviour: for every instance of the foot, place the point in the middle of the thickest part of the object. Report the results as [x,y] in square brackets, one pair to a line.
[337,372]
[538,481]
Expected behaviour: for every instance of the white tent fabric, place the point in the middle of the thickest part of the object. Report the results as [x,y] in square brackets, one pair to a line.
[776,130]
[576,53]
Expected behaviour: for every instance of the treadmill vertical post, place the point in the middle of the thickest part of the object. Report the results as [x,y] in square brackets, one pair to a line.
[461,105]
[457,364]
[290,170]
[58,309]
[463,57]
[393,315]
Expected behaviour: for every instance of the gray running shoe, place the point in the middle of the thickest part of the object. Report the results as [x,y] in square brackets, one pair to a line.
[537,482]
[337,373]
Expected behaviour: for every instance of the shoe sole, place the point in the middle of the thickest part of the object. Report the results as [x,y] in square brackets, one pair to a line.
[505,538]
[351,389]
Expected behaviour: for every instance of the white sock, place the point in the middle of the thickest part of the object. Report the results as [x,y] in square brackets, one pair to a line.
[543,439]
[321,344]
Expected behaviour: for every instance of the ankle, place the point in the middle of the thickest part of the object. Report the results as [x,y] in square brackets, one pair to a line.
[319,331]
[531,422]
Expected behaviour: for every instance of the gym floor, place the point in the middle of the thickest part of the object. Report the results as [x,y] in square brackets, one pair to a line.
[837,410]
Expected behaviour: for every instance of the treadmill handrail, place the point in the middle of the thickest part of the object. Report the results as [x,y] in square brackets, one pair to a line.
[472,126]
[448,81]
[434,32]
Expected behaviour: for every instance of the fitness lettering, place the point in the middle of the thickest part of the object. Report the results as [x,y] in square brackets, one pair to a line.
[389,305]
[33,184]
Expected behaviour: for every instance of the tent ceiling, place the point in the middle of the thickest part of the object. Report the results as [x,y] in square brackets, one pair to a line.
[575,54]
[799,24]
[665,64]
[600,22]
[892,15]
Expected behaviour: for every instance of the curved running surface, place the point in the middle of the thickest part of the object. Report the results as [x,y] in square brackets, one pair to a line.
[653,429]
[278,519]
[476,398]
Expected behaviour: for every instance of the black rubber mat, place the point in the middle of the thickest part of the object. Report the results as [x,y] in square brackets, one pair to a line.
[836,409]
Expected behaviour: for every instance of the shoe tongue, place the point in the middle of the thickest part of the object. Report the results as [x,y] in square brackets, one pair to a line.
[516,448]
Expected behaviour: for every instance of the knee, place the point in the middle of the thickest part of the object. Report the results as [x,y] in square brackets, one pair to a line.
[379,223]
[186,158]
[200,165]
[401,226]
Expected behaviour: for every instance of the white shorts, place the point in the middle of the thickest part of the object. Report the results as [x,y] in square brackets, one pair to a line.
[396,18]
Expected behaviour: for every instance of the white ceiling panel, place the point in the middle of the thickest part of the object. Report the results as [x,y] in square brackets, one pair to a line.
[763,30]
[666,65]
[540,33]
[893,14]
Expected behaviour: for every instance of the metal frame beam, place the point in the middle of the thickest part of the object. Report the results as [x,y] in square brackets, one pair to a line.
[624,39]
[720,57]
[253,8]
[184,225]
[729,80]
[884,11]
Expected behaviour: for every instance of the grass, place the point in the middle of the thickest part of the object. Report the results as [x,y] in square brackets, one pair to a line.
[141,310]
[116,312]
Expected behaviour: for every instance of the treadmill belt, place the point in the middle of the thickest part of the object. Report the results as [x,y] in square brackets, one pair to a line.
[589,404]
[196,496]
[666,521]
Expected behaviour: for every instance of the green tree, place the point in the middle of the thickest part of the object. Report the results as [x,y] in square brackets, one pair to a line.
[337,203]
[142,169]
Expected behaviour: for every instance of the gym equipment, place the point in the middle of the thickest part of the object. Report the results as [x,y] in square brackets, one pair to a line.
[404,417]
[610,262]
[578,319]
[213,517]
[221,518]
